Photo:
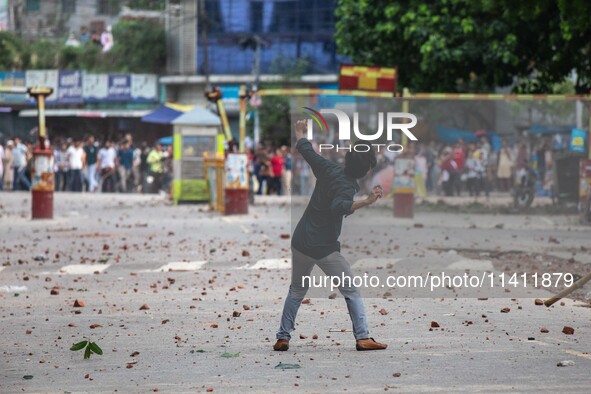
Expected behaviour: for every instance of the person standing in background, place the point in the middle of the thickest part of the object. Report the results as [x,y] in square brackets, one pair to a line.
[125,157]
[168,170]
[521,162]
[136,169]
[472,175]
[459,157]
[155,168]
[481,156]
[144,167]
[448,173]
[60,167]
[91,151]
[277,164]
[106,164]
[505,167]
[287,171]
[421,169]
[262,168]
[8,164]
[20,166]
[76,159]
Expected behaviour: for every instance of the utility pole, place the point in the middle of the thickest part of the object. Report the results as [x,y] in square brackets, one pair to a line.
[257,76]
[203,23]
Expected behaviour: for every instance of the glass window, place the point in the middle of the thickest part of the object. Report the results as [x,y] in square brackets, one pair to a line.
[256,16]
[69,6]
[107,7]
[215,23]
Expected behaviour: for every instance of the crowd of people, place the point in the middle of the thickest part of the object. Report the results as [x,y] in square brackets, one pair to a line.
[271,169]
[87,165]
[476,168]
[472,169]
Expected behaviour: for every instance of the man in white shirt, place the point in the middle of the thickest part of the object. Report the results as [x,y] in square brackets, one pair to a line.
[106,164]
[20,165]
[76,159]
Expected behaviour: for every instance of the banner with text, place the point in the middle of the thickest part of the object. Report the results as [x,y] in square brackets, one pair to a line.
[76,87]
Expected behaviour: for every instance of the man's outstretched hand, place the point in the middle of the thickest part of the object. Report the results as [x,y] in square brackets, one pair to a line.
[301,127]
[376,192]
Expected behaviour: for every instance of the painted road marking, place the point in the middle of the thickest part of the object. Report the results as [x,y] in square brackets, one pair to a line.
[12,289]
[471,264]
[270,264]
[83,269]
[547,221]
[244,229]
[1,268]
[179,266]
[578,354]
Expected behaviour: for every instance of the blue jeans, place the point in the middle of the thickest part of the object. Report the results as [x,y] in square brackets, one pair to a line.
[333,265]
[20,178]
[61,181]
[75,180]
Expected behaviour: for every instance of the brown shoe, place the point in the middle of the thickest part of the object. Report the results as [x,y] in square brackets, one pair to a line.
[281,345]
[369,344]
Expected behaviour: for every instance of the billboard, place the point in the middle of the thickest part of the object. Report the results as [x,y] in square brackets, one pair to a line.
[77,87]
[12,79]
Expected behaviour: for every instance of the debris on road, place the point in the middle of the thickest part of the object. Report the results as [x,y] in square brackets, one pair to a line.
[568,330]
[287,366]
[565,363]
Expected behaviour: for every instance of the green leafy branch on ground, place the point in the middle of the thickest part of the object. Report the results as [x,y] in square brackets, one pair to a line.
[89,348]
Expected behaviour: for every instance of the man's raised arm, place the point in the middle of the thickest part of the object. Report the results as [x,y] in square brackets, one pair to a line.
[318,163]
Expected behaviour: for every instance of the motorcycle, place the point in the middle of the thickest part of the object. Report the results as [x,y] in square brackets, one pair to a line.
[525,190]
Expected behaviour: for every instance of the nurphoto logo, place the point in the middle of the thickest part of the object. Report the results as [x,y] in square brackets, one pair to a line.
[344,129]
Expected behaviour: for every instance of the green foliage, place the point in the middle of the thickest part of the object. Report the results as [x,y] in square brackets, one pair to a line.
[89,348]
[140,46]
[154,5]
[12,51]
[289,67]
[275,119]
[43,54]
[470,45]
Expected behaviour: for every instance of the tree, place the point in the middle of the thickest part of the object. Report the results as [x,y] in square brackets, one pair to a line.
[12,52]
[140,47]
[469,45]
[275,120]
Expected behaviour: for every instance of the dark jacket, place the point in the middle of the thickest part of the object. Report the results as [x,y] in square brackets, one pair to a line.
[317,232]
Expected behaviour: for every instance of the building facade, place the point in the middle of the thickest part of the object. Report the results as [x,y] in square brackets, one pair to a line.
[288,42]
